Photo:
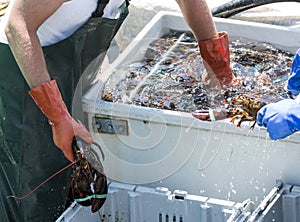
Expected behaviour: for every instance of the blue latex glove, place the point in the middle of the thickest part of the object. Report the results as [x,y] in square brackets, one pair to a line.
[281,119]
[293,84]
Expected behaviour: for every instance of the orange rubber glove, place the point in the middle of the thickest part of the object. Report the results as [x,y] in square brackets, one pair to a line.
[216,59]
[48,98]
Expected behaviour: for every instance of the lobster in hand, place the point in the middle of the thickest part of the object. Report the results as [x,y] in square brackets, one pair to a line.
[89,182]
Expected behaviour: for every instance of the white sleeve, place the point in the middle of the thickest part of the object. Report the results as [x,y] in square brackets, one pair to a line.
[112,9]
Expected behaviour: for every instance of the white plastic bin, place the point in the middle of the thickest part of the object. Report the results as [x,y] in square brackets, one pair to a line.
[162,148]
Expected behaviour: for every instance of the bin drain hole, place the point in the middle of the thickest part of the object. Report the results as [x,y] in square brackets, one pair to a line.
[162,218]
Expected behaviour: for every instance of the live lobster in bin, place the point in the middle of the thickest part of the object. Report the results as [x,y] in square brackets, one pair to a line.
[247,111]
[241,107]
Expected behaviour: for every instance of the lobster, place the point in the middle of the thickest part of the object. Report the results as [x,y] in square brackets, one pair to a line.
[89,182]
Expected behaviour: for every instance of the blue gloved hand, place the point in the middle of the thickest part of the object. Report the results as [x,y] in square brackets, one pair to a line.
[281,119]
[293,84]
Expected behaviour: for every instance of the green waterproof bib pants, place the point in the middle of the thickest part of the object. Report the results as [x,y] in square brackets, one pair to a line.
[28,155]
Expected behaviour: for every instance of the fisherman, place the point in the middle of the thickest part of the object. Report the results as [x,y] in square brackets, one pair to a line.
[45,47]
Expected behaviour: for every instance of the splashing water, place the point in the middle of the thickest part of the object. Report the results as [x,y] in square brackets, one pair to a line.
[168,76]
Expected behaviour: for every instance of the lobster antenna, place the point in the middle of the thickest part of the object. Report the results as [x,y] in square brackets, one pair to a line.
[41,184]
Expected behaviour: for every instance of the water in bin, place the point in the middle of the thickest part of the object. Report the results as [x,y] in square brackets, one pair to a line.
[168,74]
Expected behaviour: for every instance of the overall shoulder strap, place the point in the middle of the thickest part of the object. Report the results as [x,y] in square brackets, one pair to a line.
[100,8]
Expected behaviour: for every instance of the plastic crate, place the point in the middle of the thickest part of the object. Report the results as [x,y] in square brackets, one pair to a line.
[130,203]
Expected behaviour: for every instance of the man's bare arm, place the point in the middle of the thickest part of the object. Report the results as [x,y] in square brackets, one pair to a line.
[25,19]
[198,16]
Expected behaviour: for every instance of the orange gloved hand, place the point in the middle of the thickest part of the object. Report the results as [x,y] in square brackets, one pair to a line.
[48,98]
[216,59]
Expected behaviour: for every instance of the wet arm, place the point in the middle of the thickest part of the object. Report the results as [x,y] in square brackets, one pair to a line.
[25,18]
[198,16]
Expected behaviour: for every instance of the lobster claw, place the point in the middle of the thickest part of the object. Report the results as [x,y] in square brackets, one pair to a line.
[89,185]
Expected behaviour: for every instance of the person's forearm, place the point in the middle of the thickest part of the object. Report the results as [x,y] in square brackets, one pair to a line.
[28,54]
[198,16]
[25,18]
